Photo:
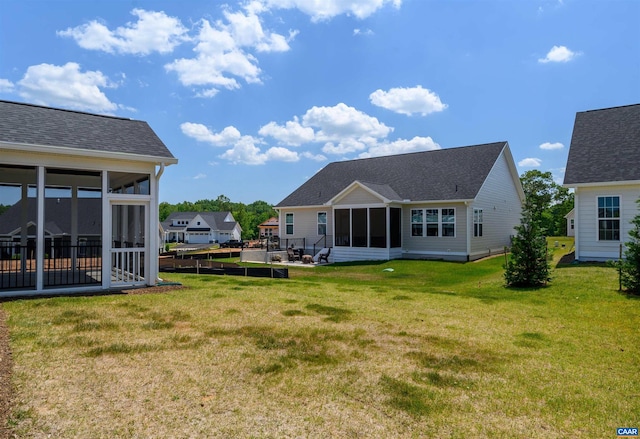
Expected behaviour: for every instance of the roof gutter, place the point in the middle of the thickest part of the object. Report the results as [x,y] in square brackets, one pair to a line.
[63,150]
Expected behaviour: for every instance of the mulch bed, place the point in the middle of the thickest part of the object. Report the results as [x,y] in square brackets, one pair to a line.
[6,362]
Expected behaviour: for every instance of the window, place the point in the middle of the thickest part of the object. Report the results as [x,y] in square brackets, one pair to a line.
[572,223]
[342,218]
[448,222]
[322,223]
[477,222]
[395,227]
[417,225]
[609,218]
[378,227]
[288,220]
[359,227]
[431,216]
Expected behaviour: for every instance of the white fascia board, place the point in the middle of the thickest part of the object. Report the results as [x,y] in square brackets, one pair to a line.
[62,150]
[602,183]
[357,184]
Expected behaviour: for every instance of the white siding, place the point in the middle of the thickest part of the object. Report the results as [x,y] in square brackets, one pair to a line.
[445,247]
[358,196]
[586,225]
[570,217]
[501,208]
[305,224]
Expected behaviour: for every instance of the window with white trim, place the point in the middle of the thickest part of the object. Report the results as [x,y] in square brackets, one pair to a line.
[448,222]
[431,218]
[417,222]
[477,222]
[609,218]
[322,223]
[288,222]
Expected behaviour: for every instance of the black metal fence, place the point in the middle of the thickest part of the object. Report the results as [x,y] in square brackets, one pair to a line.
[63,265]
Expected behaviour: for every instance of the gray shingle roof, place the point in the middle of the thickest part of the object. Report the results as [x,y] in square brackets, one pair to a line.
[57,216]
[605,146]
[443,174]
[29,124]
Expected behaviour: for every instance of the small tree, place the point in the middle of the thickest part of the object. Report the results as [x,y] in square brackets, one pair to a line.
[528,265]
[630,265]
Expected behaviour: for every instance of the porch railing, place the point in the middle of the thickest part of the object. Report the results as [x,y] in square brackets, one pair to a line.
[67,265]
[17,266]
[127,266]
[64,265]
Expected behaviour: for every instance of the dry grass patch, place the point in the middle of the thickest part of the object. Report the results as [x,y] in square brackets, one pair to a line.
[431,349]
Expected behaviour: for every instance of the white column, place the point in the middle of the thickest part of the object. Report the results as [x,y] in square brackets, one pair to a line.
[106,238]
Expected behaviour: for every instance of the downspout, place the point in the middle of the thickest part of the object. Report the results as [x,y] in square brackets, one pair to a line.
[158,175]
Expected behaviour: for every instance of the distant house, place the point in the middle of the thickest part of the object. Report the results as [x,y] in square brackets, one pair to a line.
[571,222]
[603,168]
[201,227]
[84,194]
[455,204]
[270,228]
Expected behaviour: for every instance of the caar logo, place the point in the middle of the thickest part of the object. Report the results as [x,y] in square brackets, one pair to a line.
[627,432]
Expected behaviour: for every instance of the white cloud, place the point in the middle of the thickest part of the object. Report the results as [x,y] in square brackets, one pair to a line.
[401,146]
[320,10]
[200,176]
[559,54]
[228,136]
[6,86]
[551,146]
[408,100]
[314,157]
[341,122]
[242,149]
[68,87]
[245,152]
[366,32]
[292,133]
[280,154]
[225,52]
[530,163]
[153,32]
[345,146]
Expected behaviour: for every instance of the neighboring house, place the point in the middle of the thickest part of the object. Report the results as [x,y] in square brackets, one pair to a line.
[84,194]
[571,223]
[455,204]
[57,226]
[200,227]
[603,168]
[270,228]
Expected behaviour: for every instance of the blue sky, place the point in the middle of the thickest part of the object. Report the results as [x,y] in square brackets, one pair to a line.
[254,97]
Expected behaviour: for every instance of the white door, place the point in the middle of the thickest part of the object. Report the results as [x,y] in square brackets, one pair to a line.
[129,231]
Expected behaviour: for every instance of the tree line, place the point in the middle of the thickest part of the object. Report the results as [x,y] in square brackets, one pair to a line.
[248,215]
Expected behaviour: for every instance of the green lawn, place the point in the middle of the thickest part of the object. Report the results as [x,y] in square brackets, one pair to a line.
[430,349]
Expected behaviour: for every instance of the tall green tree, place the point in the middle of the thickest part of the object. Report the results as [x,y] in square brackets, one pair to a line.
[630,265]
[527,265]
[549,202]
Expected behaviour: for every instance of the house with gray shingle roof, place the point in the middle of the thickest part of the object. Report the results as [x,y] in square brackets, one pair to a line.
[603,168]
[201,227]
[84,194]
[456,204]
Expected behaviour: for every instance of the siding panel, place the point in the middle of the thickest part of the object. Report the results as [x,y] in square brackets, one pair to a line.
[501,208]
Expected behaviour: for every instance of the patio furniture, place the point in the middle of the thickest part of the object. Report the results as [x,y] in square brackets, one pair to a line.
[324,256]
[307,259]
[293,255]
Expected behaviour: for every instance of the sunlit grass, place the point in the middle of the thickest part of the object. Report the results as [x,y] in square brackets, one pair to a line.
[430,349]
